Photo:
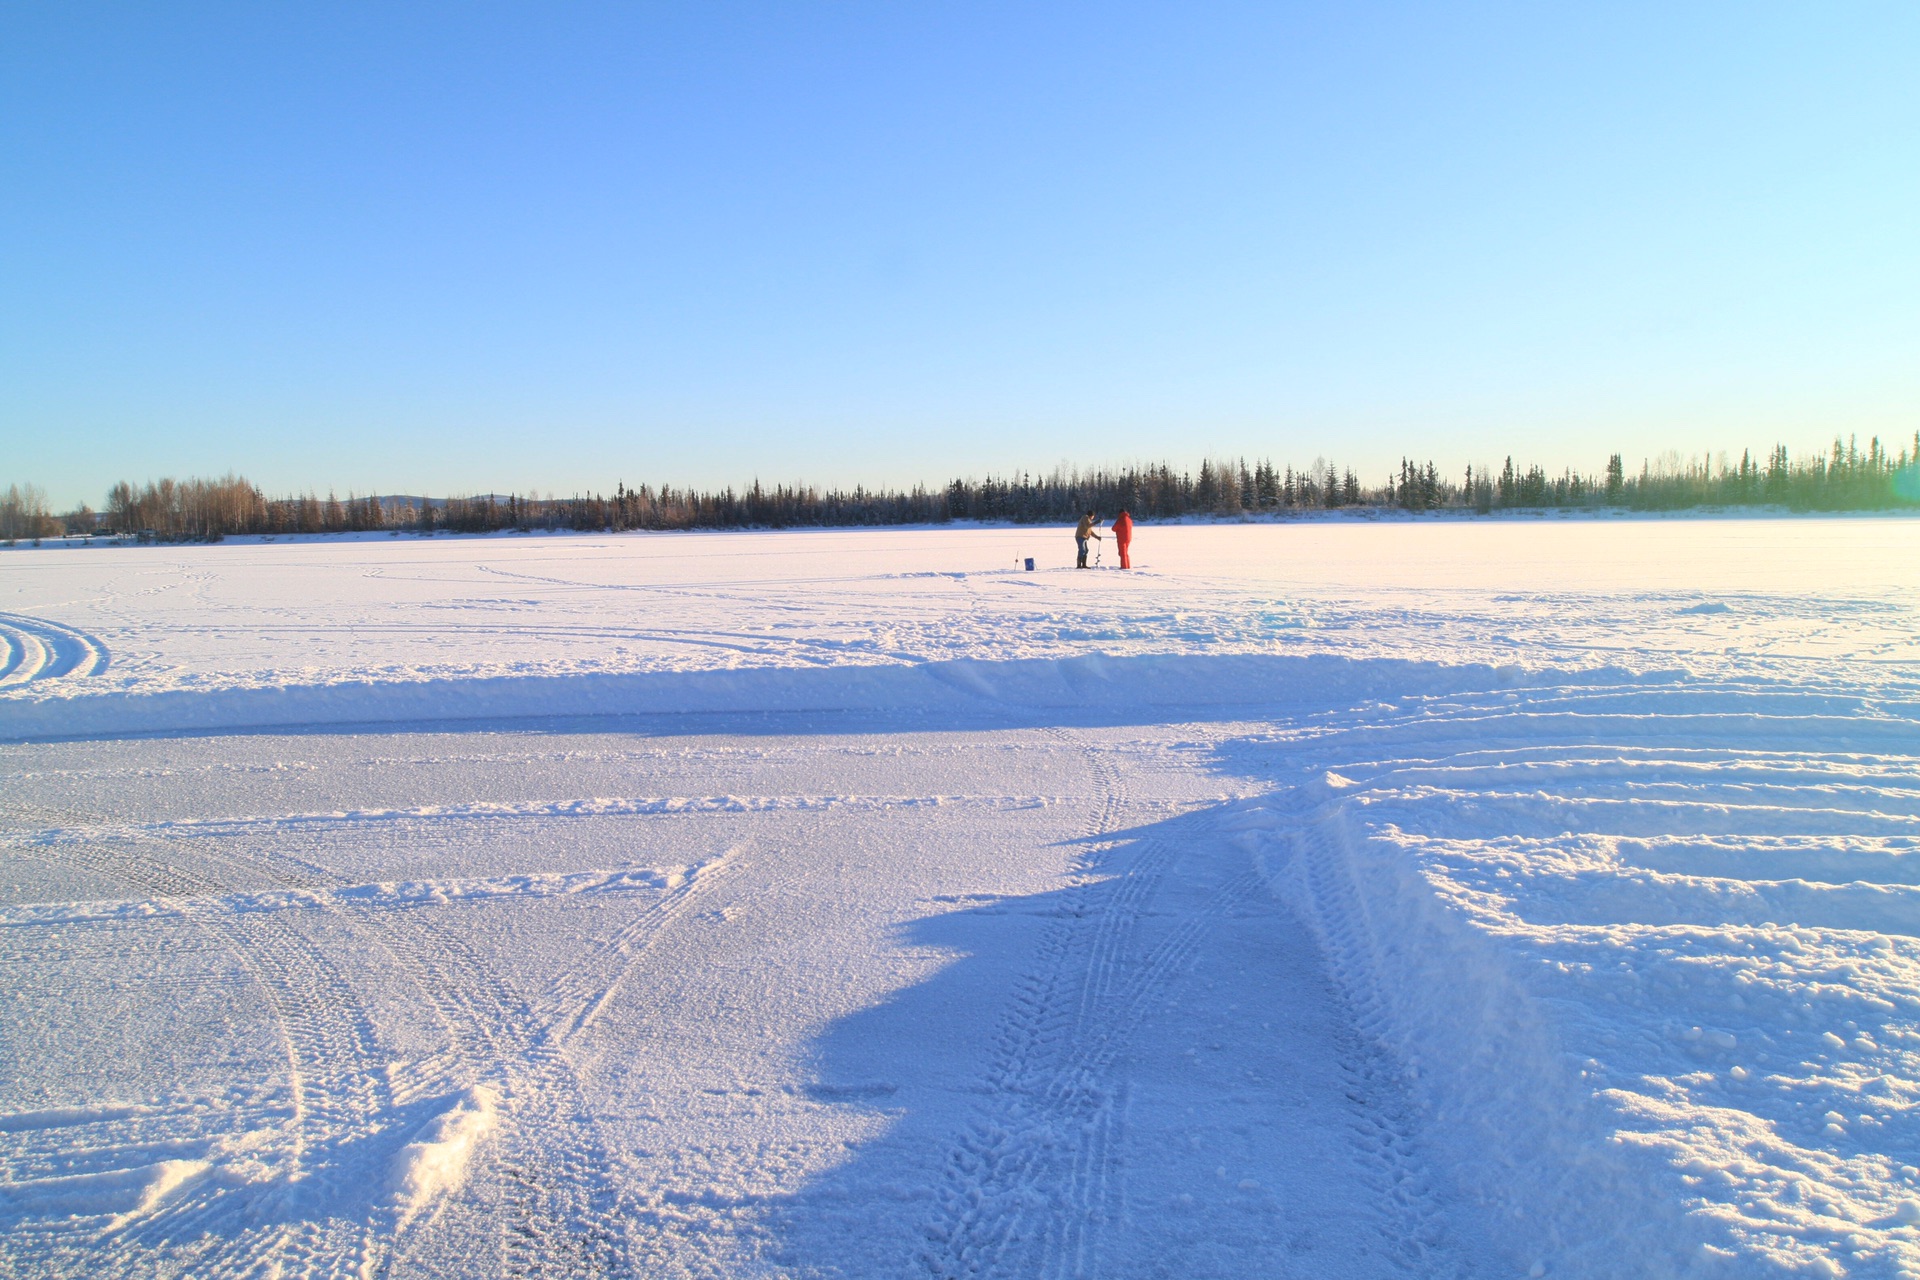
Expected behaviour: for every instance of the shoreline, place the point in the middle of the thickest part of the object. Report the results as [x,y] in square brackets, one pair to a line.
[1343,515]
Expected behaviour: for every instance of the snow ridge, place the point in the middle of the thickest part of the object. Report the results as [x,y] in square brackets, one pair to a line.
[1624,981]
[1500,1102]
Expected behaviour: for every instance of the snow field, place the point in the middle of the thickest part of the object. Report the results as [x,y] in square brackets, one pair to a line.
[1399,901]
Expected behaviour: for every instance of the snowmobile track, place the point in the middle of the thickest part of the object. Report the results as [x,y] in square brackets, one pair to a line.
[33,650]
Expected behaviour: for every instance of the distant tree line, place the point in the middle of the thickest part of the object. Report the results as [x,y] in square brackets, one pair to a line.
[177,510]
[24,514]
[1847,478]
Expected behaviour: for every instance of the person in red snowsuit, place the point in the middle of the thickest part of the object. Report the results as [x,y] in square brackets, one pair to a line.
[1123,537]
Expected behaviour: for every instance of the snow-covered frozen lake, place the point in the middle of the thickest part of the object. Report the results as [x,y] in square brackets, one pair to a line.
[1486,899]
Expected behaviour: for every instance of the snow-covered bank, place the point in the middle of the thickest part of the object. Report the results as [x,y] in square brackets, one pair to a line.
[1670,978]
[1303,515]
[1340,900]
[966,690]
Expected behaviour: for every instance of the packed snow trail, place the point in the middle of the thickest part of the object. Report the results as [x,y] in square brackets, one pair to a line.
[668,1069]
[779,907]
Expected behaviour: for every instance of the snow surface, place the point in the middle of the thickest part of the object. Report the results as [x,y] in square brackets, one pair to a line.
[1478,899]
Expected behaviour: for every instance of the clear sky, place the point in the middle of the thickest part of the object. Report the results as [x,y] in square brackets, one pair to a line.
[408,248]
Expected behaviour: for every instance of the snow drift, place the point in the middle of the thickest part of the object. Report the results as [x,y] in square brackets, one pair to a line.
[436,1161]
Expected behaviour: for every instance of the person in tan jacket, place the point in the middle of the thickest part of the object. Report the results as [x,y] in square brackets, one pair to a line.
[1081,534]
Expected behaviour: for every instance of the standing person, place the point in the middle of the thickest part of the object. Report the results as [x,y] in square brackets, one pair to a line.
[1123,537]
[1081,534]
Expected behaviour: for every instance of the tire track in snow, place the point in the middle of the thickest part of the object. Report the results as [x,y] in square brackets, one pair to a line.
[542,1166]
[1029,1185]
[558,1207]
[548,1170]
[1382,1118]
[577,997]
[33,650]
[531,811]
[564,1216]
[336,1094]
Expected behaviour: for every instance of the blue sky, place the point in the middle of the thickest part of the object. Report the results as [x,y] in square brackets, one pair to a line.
[492,247]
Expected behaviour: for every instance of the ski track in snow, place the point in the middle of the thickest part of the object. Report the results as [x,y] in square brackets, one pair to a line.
[579,907]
